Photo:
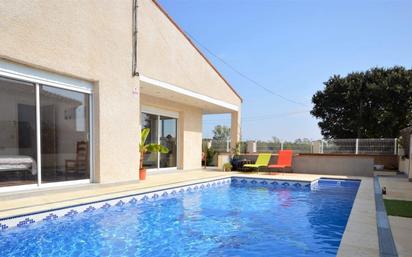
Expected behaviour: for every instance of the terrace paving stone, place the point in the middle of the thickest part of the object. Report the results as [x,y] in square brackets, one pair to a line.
[402,232]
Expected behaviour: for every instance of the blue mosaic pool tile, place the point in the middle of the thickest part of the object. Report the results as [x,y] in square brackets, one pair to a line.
[90,209]
[106,205]
[155,196]
[133,200]
[285,184]
[51,216]
[165,194]
[3,226]
[26,221]
[120,203]
[71,213]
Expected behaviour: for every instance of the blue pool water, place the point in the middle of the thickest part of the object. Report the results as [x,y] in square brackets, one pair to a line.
[230,220]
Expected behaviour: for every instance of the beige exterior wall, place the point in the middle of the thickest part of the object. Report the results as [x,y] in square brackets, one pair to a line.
[165,54]
[91,40]
[189,133]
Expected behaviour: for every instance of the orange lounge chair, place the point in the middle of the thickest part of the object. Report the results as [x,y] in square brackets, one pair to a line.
[284,160]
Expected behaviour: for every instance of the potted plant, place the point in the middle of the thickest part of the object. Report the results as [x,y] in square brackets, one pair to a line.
[148,148]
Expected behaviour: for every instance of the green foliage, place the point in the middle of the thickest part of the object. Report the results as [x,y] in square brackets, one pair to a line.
[236,149]
[210,154]
[221,133]
[372,104]
[151,148]
[227,166]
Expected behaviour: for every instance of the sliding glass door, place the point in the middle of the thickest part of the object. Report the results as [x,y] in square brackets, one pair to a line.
[64,135]
[163,130]
[18,154]
[168,136]
[44,134]
[150,121]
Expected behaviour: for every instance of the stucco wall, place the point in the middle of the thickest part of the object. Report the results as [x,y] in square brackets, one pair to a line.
[91,40]
[166,55]
[334,165]
[189,130]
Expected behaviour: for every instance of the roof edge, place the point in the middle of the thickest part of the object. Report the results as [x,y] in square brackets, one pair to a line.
[197,49]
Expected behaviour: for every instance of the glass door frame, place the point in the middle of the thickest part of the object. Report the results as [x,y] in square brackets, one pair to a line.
[169,114]
[30,75]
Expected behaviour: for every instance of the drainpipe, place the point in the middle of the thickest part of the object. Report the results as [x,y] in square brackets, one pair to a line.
[134,39]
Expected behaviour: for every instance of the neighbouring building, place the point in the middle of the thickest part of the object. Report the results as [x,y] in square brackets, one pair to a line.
[78,81]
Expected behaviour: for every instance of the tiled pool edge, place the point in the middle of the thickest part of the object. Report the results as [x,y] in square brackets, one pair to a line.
[360,237]
[387,246]
[70,210]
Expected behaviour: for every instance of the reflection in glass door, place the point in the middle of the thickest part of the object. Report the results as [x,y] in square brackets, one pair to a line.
[150,121]
[168,139]
[163,130]
[18,153]
[64,135]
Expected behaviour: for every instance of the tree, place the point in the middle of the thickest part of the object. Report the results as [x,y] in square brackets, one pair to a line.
[372,104]
[276,140]
[221,133]
[302,141]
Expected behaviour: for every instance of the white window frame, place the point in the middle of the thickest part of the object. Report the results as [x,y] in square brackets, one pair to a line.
[165,113]
[37,78]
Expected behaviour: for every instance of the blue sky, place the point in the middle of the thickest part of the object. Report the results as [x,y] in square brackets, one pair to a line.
[292,47]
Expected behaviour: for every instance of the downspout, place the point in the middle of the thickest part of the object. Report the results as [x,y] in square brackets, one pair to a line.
[134,31]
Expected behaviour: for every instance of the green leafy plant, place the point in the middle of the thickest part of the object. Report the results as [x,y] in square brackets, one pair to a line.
[227,166]
[210,154]
[149,148]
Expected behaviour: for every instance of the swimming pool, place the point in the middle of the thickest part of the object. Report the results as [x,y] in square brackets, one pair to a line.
[232,217]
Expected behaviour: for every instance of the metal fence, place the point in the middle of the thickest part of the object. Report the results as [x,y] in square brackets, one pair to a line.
[360,146]
[379,146]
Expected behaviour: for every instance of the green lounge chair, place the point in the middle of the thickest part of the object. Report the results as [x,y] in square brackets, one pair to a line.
[262,161]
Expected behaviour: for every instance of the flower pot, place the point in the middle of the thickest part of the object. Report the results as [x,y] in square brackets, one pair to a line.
[142,174]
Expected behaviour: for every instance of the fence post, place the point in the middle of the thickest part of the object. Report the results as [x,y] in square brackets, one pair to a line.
[321,146]
[357,146]
[228,146]
[281,145]
[395,150]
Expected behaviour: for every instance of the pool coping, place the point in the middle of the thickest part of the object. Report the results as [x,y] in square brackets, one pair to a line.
[387,247]
[346,248]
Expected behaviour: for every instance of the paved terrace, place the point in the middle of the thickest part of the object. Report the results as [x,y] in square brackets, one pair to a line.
[360,238]
[399,188]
